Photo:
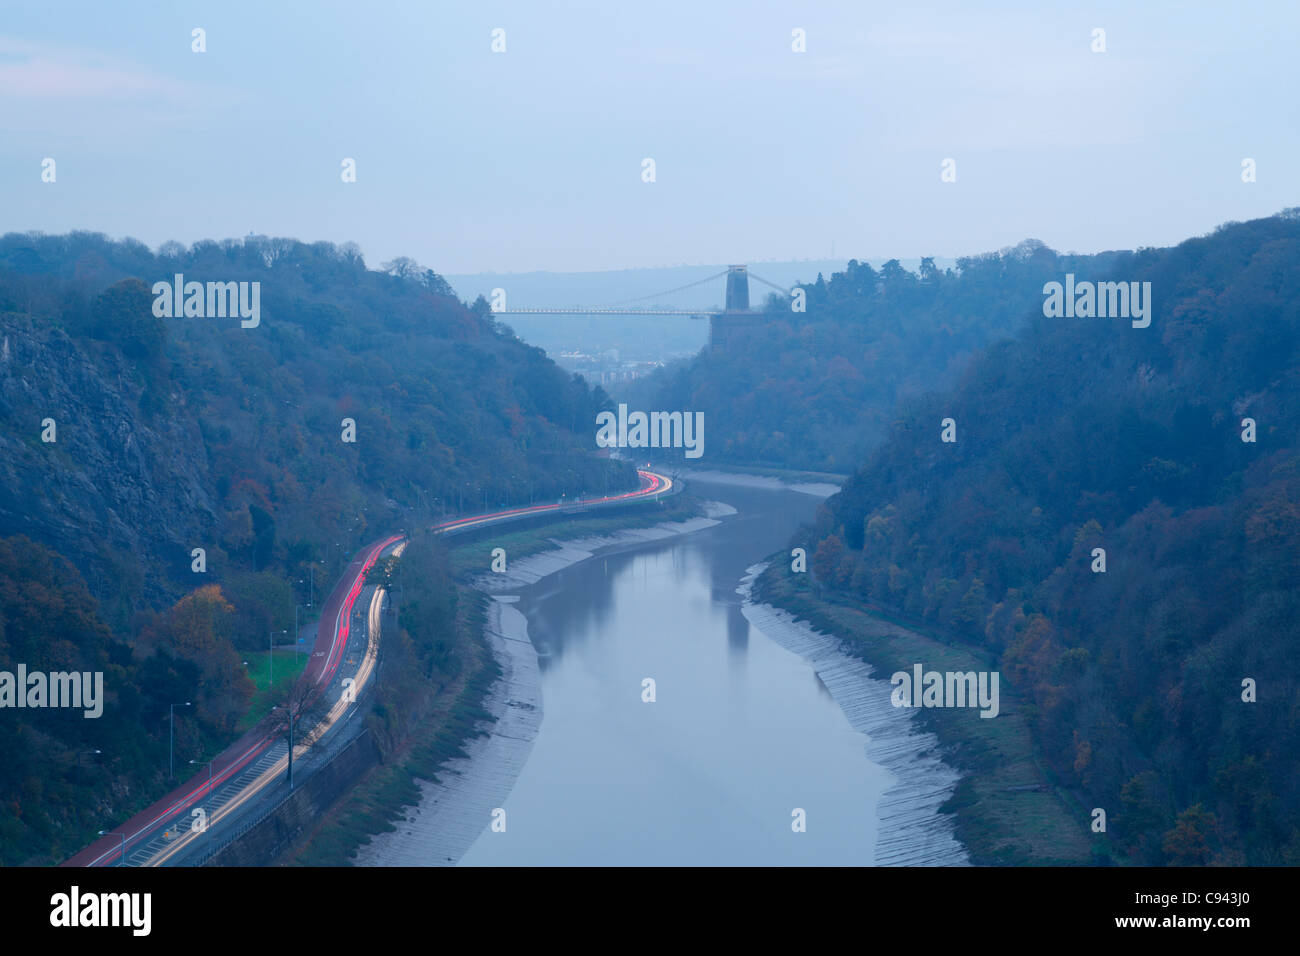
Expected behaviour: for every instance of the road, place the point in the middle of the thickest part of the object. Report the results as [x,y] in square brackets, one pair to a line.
[247,779]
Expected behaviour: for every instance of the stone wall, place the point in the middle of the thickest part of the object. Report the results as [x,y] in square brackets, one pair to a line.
[262,844]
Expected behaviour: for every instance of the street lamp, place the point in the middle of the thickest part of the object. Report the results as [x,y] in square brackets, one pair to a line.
[122,856]
[209,774]
[171,736]
[297,642]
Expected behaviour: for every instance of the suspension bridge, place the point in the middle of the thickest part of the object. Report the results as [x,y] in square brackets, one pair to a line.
[725,324]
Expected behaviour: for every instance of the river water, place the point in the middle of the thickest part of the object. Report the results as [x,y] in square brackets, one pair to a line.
[741,734]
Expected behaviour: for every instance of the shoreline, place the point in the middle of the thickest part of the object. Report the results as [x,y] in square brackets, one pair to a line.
[451,813]
[817,489]
[913,831]
[1006,810]
[570,551]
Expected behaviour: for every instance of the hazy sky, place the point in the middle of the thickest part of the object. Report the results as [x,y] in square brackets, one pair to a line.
[470,160]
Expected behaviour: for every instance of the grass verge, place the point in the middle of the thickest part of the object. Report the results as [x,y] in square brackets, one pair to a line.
[289,666]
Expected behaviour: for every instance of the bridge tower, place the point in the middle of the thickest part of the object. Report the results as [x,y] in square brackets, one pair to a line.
[737,288]
[727,327]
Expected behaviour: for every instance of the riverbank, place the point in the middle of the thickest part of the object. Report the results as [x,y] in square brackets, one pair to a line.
[1002,808]
[470,558]
[1005,808]
[787,475]
[452,719]
[915,829]
[452,807]
[808,483]
[563,553]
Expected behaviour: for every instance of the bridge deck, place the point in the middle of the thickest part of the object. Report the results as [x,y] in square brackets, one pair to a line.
[579,310]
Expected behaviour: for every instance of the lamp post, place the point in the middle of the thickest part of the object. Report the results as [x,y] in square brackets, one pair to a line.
[171,737]
[209,774]
[297,636]
[122,856]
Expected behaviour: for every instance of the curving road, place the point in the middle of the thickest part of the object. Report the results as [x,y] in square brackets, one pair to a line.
[244,776]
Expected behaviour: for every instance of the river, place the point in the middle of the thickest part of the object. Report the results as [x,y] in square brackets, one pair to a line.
[742,741]
[741,733]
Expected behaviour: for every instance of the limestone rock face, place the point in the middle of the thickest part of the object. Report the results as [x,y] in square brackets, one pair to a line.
[117,481]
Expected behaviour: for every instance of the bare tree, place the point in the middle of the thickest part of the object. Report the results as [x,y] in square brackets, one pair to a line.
[299,704]
[403,267]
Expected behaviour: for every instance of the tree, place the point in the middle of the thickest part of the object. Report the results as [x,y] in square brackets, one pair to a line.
[403,267]
[436,283]
[296,717]
[197,629]
[1187,844]
[826,559]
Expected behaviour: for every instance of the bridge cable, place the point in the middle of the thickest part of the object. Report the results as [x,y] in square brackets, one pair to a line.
[656,295]
[781,289]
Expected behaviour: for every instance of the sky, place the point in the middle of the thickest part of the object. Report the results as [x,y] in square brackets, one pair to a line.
[470,160]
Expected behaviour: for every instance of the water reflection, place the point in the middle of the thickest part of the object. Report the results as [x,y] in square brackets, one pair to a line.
[741,731]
